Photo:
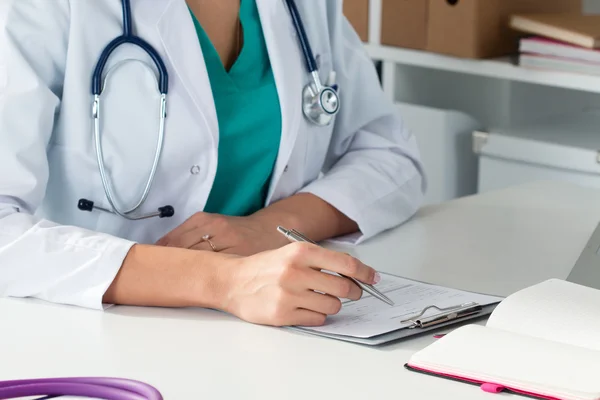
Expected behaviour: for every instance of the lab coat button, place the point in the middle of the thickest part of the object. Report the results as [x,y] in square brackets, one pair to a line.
[285,169]
[195,170]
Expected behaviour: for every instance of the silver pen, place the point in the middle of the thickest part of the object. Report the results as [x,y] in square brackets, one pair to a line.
[296,236]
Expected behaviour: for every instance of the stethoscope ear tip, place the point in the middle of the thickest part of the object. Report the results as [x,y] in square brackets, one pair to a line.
[166,211]
[85,205]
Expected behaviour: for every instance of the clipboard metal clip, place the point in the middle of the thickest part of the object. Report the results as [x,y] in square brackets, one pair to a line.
[446,314]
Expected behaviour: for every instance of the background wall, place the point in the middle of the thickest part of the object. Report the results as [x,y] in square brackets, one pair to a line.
[591,6]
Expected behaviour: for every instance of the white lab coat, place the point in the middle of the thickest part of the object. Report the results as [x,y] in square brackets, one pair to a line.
[52,251]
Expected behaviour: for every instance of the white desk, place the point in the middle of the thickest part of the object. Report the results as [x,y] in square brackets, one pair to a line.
[498,242]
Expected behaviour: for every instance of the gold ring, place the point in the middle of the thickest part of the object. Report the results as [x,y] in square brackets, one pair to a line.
[206,238]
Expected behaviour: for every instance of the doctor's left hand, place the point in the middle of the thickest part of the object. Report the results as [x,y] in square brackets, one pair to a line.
[242,236]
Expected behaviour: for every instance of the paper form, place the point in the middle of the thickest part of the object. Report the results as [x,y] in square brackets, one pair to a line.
[370,316]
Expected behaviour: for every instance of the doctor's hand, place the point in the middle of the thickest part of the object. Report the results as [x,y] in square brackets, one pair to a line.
[242,236]
[249,235]
[280,287]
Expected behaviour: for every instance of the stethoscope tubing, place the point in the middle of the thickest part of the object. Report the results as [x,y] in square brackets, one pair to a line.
[321,103]
[309,58]
[101,388]
[129,38]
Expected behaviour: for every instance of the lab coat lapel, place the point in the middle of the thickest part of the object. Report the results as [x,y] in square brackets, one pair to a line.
[288,69]
[180,45]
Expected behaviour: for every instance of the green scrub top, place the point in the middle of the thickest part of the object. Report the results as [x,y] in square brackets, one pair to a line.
[249,117]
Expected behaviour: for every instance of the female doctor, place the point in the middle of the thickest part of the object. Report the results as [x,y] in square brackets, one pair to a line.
[149,150]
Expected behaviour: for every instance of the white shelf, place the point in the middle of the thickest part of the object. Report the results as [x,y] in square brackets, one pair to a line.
[503,68]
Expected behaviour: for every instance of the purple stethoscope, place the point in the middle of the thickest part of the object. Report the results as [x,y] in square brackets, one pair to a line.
[98,388]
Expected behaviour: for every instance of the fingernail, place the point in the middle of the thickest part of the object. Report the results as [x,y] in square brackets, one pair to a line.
[376,278]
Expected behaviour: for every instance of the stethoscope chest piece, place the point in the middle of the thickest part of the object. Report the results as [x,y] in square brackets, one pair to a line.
[320,102]
[320,105]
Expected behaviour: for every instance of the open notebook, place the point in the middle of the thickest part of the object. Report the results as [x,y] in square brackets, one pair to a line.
[543,341]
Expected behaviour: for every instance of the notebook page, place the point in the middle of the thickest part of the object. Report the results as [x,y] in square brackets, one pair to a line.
[555,310]
[369,316]
[518,362]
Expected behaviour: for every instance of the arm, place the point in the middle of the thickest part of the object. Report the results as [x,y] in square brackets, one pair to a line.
[372,173]
[373,179]
[71,265]
[309,214]
[169,277]
[39,258]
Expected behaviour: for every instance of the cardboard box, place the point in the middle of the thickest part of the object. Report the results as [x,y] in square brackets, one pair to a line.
[357,13]
[404,23]
[463,28]
[479,28]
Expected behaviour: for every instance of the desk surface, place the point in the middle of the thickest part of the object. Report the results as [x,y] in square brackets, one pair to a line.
[497,242]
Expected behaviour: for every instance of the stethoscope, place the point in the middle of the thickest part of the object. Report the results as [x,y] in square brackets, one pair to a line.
[320,104]
[96,387]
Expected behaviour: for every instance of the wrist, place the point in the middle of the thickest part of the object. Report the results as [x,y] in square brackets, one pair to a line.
[214,274]
[308,214]
[268,219]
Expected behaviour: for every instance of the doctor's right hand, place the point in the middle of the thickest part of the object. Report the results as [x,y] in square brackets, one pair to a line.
[287,287]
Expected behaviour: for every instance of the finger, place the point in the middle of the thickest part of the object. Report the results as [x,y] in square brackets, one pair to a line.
[303,317]
[320,303]
[187,240]
[183,238]
[208,245]
[173,239]
[202,246]
[310,255]
[191,224]
[236,250]
[334,285]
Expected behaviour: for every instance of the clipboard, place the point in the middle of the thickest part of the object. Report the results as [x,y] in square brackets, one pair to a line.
[420,322]
[441,320]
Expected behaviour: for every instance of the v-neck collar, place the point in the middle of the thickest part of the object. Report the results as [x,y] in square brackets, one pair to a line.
[246,71]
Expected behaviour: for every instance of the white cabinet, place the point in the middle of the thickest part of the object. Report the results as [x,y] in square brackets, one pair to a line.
[444,137]
[562,147]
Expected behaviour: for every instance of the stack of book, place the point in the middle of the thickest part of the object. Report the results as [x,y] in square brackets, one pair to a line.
[559,42]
